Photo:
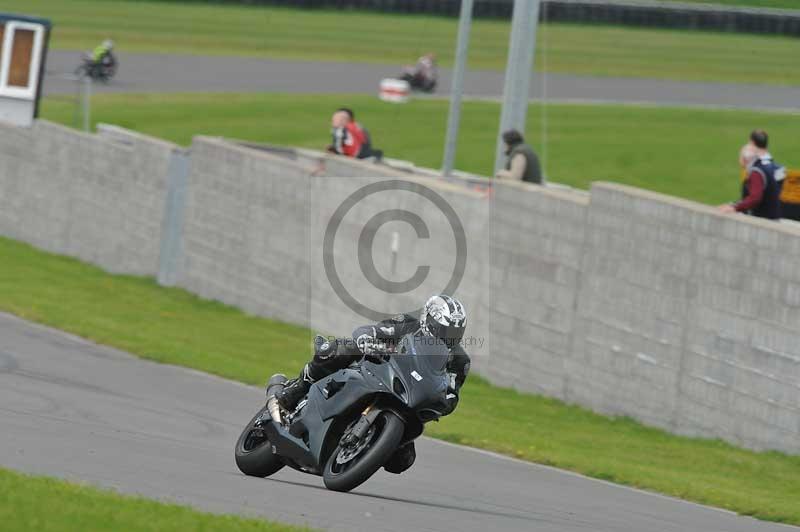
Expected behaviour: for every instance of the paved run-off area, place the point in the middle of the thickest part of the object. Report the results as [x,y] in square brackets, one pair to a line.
[180,73]
[73,409]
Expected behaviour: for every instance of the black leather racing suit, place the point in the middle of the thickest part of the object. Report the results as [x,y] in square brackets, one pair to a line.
[330,357]
[340,354]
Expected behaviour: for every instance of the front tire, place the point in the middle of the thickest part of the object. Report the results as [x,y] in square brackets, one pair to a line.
[379,447]
[254,456]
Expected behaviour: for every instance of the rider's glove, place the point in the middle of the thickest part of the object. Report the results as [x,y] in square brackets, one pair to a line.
[451,400]
[324,348]
[452,386]
[368,344]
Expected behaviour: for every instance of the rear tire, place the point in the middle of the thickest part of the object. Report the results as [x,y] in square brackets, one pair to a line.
[345,477]
[254,456]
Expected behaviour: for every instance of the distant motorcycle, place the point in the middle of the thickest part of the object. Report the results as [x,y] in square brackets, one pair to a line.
[102,70]
[351,422]
[418,82]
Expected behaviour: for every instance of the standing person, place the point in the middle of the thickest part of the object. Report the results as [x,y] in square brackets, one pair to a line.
[523,163]
[746,156]
[761,189]
[366,148]
[348,139]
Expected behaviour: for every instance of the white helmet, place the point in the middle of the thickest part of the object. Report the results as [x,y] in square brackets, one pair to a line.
[108,44]
[444,317]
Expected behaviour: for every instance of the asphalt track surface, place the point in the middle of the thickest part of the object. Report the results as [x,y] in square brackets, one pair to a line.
[179,73]
[72,409]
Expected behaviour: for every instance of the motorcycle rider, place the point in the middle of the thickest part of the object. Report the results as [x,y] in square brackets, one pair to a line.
[424,74]
[103,51]
[442,317]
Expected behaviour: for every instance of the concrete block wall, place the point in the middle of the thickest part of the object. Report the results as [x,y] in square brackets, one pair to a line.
[688,320]
[439,252]
[632,308]
[624,301]
[537,242]
[244,231]
[248,239]
[740,375]
[82,195]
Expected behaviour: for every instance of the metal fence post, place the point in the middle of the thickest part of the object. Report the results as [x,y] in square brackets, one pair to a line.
[519,70]
[87,101]
[454,117]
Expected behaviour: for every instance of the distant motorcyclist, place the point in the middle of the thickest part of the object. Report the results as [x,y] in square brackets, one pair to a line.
[443,317]
[103,52]
[424,75]
[99,64]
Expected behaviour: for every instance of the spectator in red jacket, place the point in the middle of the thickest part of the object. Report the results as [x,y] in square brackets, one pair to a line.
[762,186]
[348,138]
[367,150]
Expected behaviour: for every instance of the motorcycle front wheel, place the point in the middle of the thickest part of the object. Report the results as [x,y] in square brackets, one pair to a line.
[254,456]
[349,467]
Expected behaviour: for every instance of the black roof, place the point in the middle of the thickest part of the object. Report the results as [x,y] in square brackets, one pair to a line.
[6,17]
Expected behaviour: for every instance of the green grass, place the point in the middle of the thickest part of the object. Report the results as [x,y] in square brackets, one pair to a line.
[170,325]
[134,314]
[399,39]
[690,153]
[50,505]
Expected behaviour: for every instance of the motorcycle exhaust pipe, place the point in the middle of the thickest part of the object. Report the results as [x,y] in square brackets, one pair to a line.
[274,409]
[274,387]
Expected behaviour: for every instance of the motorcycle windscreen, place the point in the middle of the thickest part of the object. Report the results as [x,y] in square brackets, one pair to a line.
[432,353]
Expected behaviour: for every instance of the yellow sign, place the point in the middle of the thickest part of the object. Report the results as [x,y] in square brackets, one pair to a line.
[791,187]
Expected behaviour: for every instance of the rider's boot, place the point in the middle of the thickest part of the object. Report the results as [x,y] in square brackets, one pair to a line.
[295,390]
[402,459]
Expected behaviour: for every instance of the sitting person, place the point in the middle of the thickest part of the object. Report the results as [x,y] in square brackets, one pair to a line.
[348,138]
[366,147]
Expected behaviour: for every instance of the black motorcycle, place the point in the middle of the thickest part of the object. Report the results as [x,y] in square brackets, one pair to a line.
[351,422]
[419,83]
[102,70]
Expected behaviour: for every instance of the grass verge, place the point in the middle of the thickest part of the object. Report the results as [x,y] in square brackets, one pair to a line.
[77,507]
[690,153]
[170,325]
[399,39]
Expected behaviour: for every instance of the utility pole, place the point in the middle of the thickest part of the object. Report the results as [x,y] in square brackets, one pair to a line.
[519,70]
[454,117]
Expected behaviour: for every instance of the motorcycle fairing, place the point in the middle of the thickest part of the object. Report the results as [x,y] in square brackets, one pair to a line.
[419,367]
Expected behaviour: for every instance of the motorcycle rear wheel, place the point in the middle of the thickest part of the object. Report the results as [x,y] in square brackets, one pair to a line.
[380,446]
[254,456]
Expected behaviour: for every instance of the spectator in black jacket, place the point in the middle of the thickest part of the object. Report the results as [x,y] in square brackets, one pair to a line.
[523,163]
